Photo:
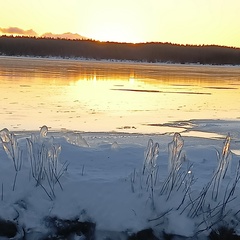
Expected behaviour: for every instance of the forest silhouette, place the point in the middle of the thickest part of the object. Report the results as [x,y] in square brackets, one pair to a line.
[144,52]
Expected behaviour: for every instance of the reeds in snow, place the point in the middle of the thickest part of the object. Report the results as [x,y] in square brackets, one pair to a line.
[11,147]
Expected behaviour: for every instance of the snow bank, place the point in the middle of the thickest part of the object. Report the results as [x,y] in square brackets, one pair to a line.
[99,177]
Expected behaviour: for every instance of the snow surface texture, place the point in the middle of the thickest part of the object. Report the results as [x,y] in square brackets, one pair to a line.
[122,182]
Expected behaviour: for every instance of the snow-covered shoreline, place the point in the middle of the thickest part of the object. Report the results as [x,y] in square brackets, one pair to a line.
[115,61]
[102,182]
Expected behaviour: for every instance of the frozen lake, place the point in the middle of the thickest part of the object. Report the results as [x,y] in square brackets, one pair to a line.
[111,96]
[103,174]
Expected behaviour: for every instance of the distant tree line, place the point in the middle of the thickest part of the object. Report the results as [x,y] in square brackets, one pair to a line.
[148,52]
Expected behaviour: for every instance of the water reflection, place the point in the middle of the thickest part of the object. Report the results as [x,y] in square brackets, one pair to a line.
[96,96]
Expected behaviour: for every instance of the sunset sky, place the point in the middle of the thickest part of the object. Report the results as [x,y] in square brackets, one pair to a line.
[176,21]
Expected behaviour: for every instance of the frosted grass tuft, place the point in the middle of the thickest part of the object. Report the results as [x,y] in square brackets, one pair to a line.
[13,151]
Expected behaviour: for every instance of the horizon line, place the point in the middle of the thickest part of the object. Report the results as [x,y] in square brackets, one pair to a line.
[118,42]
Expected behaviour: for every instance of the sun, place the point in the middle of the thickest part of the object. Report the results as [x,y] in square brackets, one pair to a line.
[113,32]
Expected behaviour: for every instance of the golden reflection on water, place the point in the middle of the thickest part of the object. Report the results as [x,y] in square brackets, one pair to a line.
[104,96]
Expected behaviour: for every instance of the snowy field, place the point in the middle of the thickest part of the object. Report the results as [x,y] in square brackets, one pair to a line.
[184,184]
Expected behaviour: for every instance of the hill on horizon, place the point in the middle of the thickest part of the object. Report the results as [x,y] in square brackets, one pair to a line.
[91,49]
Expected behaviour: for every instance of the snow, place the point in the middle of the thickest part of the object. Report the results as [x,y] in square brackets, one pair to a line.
[104,183]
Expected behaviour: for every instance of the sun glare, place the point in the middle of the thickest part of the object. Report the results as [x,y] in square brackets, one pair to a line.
[115,33]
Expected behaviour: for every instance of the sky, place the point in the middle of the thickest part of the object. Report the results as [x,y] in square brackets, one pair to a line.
[176,21]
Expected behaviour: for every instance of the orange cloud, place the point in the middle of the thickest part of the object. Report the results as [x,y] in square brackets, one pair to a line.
[66,35]
[18,31]
[31,32]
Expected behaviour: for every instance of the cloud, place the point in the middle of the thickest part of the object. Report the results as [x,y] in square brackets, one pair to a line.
[66,35]
[31,32]
[18,31]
